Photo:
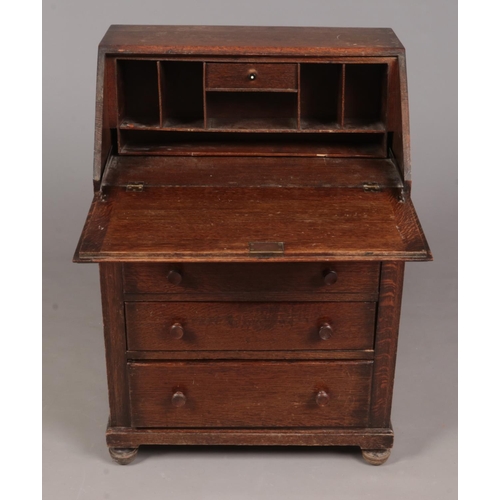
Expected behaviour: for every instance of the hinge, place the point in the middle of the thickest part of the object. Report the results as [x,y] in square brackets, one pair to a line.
[135,186]
[371,186]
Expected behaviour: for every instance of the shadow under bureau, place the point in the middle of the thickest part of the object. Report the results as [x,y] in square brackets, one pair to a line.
[251,220]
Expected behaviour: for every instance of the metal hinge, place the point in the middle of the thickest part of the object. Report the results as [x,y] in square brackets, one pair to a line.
[371,186]
[135,186]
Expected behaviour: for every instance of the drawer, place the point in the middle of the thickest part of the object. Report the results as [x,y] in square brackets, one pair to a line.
[260,278]
[251,76]
[250,394]
[220,326]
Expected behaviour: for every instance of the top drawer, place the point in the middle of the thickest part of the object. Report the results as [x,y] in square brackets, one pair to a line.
[359,278]
[251,76]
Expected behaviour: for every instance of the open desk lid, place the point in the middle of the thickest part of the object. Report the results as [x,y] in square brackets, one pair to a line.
[242,224]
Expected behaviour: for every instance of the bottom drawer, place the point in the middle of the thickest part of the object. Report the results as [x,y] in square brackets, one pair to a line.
[250,394]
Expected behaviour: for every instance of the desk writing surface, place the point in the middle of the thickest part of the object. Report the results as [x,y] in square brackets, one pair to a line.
[218,224]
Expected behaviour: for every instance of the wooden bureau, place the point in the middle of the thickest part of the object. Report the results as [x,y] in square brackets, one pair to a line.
[251,221]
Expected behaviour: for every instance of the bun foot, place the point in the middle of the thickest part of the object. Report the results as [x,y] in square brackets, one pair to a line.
[123,456]
[376,457]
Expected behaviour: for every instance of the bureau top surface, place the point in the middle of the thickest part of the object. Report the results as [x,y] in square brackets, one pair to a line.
[250,40]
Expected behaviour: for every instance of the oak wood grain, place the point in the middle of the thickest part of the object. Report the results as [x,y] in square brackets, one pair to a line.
[250,394]
[249,326]
[115,343]
[289,139]
[365,437]
[386,340]
[218,224]
[261,278]
[228,296]
[278,41]
[251,172]
[307,355]
[238,75]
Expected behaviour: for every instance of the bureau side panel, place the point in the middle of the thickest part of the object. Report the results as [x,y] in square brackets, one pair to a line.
[386,339]
[115,343]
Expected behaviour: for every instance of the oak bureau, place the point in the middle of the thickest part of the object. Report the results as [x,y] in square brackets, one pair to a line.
[251,220]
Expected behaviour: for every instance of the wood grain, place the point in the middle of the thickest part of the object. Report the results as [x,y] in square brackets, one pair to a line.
[311,158]
[275,136]
[407,219]
[310,355]
[228,296]
[251,111]
[386,340]
[101,128]
[365,437]
[370,438]
[217,224]
[251,172]
[405,119]
[278,41]
[249,326]
[96,225]
[262,278]
[236,75]
[115,343]
[250,394]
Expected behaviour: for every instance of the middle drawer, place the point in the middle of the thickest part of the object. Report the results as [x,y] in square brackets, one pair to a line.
[221,326]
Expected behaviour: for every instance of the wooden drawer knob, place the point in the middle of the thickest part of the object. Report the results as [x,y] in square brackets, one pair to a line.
[176,331]
[322,398]
[325,331]
[252,75]
[174,276]
[329,277]
[179,399]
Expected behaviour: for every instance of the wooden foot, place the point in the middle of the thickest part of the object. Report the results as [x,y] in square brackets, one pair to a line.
[123,456]
[376,457]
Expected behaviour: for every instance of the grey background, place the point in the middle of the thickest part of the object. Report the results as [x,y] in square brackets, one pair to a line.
[76,463]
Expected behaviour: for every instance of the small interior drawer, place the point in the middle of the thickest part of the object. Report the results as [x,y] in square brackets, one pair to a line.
[251,76]
[221,326]
[359,278]
[250,394]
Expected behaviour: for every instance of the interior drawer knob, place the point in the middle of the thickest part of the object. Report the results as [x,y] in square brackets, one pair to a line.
[179,399]
[252,75]
[322,398]
[329,277]
[174,276]
[176,331]
[325,331]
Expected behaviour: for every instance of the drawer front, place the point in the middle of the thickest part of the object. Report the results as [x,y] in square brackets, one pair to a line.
[219,326]
[250,394]
[251,76]
[353,278]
